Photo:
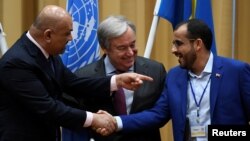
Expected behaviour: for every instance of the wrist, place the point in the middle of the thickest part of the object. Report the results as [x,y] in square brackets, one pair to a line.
[89,119]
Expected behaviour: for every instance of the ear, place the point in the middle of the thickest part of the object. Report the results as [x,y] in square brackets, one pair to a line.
[47,35]
[198,44]
[104,50]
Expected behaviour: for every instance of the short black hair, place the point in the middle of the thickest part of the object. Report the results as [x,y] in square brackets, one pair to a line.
[196,28]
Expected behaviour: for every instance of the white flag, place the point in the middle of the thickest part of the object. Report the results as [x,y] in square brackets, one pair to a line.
[3,44]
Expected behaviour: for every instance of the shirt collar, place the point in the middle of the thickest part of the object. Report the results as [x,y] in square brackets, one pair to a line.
[36,43]
[208,68]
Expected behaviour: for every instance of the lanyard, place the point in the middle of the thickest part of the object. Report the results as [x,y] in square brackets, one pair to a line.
[196,103]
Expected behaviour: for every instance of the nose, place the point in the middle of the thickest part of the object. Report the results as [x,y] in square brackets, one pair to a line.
[130,51]
[173,49]
[70,37]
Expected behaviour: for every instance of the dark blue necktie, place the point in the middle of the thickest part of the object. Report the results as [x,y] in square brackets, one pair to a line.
[50,59]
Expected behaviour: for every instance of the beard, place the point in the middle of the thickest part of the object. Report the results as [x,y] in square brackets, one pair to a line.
[187,60]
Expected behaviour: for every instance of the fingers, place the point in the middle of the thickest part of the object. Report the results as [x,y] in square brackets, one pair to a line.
[131,81]
[102,131]
[103,112]
[103,123]
[143,77]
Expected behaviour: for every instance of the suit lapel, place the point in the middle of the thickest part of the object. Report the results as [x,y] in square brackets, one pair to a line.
[182,85]
[100,67]
[45,66]
[216,78]
[141,68]
[36,53]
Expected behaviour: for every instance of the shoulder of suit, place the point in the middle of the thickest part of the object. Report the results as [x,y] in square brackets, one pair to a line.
[88,70]
[140,58]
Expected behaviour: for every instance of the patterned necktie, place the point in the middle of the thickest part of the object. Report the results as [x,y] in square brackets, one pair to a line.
[120,100]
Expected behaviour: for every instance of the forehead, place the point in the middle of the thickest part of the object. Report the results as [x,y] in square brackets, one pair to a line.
[181,31]
[64,25]
[127,37]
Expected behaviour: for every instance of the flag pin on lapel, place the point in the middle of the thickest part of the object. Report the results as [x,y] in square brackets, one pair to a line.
[217,75]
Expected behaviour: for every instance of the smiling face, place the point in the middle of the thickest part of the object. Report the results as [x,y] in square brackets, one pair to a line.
[184,48]
[122,50]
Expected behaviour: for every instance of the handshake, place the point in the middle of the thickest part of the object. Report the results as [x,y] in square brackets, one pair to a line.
[104,123]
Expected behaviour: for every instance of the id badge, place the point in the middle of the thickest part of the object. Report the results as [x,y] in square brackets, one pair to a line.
[198,131]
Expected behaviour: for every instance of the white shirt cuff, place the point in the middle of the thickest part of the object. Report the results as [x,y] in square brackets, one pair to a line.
[119,123]
[89,119]
[113,86]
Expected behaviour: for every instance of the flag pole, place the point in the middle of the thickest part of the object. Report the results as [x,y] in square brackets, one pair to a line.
[152,32]
[3,44]
[151,37]
[233,28]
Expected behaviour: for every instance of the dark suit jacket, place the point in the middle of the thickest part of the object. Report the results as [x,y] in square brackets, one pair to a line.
[144,97]
[30,94]
[229,99]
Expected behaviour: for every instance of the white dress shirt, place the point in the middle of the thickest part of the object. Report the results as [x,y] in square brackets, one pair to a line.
[200,84]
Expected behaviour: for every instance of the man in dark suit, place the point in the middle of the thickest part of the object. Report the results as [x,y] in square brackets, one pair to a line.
[117,38]
[33,78]
[205,89]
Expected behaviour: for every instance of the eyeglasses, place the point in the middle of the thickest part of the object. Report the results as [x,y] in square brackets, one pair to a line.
[178,43]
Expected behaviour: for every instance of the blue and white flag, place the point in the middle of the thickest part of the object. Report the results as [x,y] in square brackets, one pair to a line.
[84,48]
[204,12]
[176,11]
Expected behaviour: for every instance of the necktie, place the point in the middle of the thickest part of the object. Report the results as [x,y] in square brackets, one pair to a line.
[50,59]
[120,102]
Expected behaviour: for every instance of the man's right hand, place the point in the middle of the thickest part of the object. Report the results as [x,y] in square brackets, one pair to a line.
[131,81]
[103,123]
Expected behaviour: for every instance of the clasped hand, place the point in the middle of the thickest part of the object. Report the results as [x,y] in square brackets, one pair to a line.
[103,123]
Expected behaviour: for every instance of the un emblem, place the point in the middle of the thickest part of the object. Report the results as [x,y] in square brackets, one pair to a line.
[83,49]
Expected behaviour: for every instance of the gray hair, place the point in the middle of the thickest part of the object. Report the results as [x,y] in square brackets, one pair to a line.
[111,27]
